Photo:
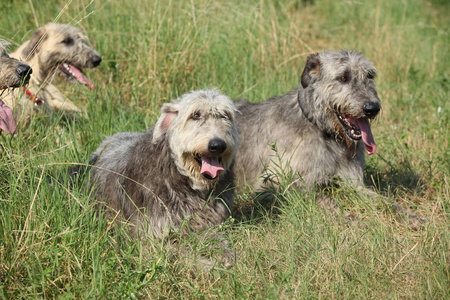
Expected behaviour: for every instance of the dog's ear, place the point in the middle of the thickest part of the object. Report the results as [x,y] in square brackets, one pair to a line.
[312,67]
[33,44]
[169,112]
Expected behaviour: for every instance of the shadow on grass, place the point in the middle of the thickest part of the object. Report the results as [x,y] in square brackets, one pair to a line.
[394,178]
[256,207]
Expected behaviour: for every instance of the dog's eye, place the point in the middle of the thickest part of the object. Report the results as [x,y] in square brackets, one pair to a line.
[196,116]
[343,79]
[68,41]
[370,75]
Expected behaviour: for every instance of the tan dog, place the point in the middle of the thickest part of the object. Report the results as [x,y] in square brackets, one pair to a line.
[54,50]
[13,74]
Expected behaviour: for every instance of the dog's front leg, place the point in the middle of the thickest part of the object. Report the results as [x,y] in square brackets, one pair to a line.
[414,221]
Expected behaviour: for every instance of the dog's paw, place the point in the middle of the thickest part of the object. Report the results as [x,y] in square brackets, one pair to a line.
[224,261]
[415,222]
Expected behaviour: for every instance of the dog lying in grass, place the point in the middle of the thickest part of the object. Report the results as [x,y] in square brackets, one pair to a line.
[177,176]
[54,51]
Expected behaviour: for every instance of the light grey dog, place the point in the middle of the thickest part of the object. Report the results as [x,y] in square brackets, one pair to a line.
[321,129]
[176,176]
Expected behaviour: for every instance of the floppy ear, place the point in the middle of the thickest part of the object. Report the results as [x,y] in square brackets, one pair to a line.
[312,68]
[33,44]
[169,112]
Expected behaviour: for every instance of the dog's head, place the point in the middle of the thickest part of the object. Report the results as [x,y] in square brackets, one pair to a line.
[339,95]
[13,73]
[202,133]
[61,50]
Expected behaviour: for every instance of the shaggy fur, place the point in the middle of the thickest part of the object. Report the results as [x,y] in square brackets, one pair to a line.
[169,175]
[13,74]
[54,51]
[321,128]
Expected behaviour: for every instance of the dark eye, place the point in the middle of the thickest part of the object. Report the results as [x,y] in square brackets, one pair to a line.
[196,116]
[370,76]
[225,116]
[68,41]
[343,79]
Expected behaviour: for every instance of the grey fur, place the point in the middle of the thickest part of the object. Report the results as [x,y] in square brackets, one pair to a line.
[304,125]
[13,73]
[153,178]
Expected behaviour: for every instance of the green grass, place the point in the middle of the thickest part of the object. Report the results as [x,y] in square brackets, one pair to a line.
[52,243]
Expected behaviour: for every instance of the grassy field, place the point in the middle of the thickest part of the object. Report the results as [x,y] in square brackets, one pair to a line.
[52,244]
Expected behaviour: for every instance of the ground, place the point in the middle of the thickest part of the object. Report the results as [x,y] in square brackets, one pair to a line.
[52,243]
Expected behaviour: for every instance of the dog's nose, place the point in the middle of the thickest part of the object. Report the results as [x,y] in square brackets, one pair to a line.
[24,71]
[96,60]
[217,146]
[371,109]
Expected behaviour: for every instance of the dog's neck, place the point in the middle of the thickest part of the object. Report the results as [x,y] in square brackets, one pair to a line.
[306,113]
[179,176]
[41,81]
[303,108]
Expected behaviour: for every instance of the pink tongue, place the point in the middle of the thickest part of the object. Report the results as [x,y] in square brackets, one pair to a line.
[211,166]
[367,137]
[81,77]
[7,122]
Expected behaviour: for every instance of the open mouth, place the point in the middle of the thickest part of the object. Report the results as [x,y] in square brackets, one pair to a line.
[75,73]
[350,129]
[210,166]
[357,129]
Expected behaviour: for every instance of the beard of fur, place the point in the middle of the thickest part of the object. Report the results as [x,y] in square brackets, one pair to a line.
[8,81]
[189,167]
[192,168]
[342,137]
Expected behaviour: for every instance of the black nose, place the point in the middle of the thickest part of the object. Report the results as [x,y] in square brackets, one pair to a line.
[371,109]
[96,60]
[217,146]
[24,71]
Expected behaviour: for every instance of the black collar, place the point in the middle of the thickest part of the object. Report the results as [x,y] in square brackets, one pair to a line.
[311,120]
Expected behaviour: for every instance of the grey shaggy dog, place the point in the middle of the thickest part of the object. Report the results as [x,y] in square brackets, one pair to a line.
[13,74]
[177,176]
[321,129]
[55,51]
